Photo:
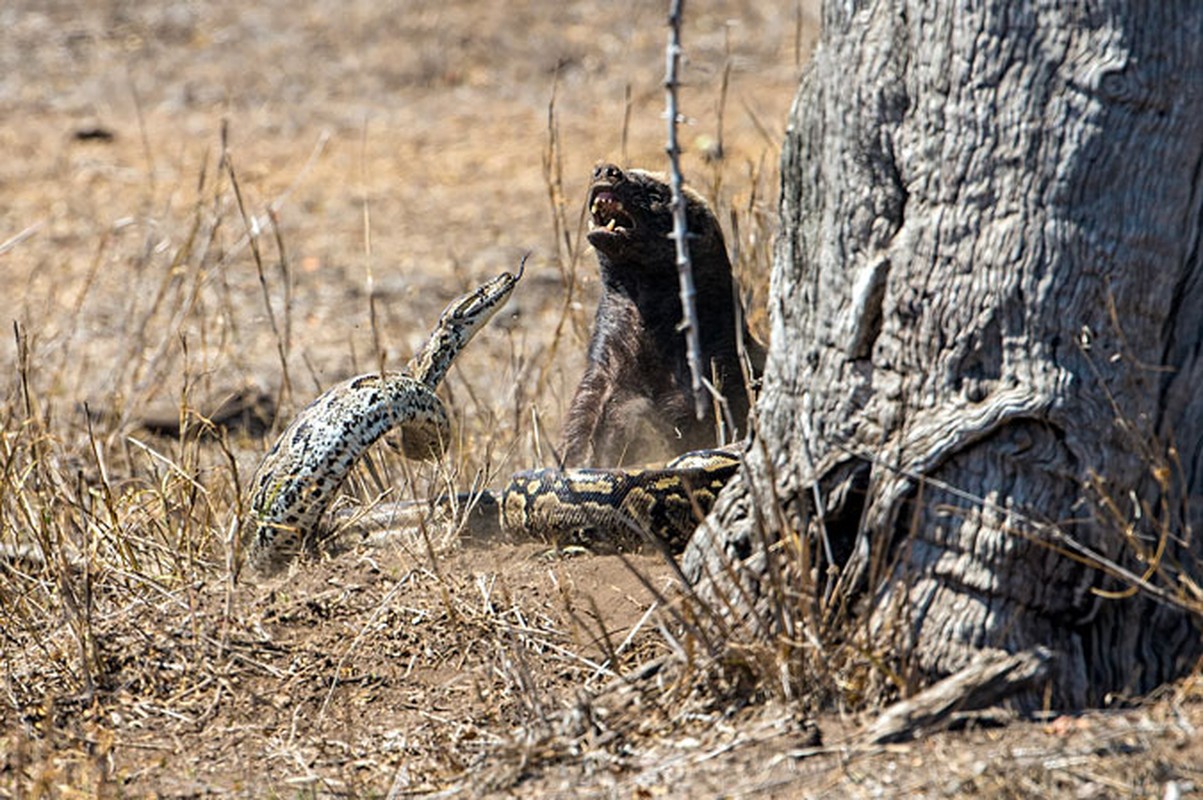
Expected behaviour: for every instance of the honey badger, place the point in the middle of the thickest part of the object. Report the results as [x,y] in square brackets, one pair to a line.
[634,403]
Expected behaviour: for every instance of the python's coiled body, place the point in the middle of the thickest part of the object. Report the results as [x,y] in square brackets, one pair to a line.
[298,477]
[617,509]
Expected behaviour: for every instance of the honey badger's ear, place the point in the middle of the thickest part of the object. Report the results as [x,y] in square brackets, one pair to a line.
[700,217]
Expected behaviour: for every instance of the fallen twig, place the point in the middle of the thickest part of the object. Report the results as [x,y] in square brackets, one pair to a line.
[987,681]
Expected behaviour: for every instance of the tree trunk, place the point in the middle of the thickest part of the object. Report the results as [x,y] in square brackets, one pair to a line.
[987,334]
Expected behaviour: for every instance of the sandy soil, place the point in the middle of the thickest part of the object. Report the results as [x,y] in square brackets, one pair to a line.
[387,157]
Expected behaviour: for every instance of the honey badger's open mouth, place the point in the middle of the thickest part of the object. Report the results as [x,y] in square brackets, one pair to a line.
[607,212]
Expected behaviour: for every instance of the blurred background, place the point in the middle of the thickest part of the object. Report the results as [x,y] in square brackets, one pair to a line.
[406,150]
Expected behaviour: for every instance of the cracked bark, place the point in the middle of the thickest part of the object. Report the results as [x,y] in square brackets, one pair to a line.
[987,333]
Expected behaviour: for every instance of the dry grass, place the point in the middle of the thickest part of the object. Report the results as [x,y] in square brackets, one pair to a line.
[288,197]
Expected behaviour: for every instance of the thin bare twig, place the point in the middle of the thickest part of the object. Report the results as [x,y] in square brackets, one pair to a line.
[680,234]
[13,241]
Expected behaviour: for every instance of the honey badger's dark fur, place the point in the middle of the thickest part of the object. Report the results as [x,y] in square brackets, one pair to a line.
[634,403]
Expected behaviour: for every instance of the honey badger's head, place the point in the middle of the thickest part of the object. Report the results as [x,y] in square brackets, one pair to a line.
[631,220]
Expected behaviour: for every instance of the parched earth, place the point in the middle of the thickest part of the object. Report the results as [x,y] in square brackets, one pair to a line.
[203,197]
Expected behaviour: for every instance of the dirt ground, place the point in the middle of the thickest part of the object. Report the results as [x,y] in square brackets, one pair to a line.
[201,198]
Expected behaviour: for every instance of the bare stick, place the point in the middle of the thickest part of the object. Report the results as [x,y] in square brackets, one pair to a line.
[251,223]
[626,121]
[680,234]
[987,681]
[373,321]
[12,242]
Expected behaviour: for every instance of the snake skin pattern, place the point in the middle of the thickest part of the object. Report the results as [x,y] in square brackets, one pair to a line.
[299,476]
[617,509]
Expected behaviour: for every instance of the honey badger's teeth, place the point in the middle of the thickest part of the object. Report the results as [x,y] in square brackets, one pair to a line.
[607,213]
